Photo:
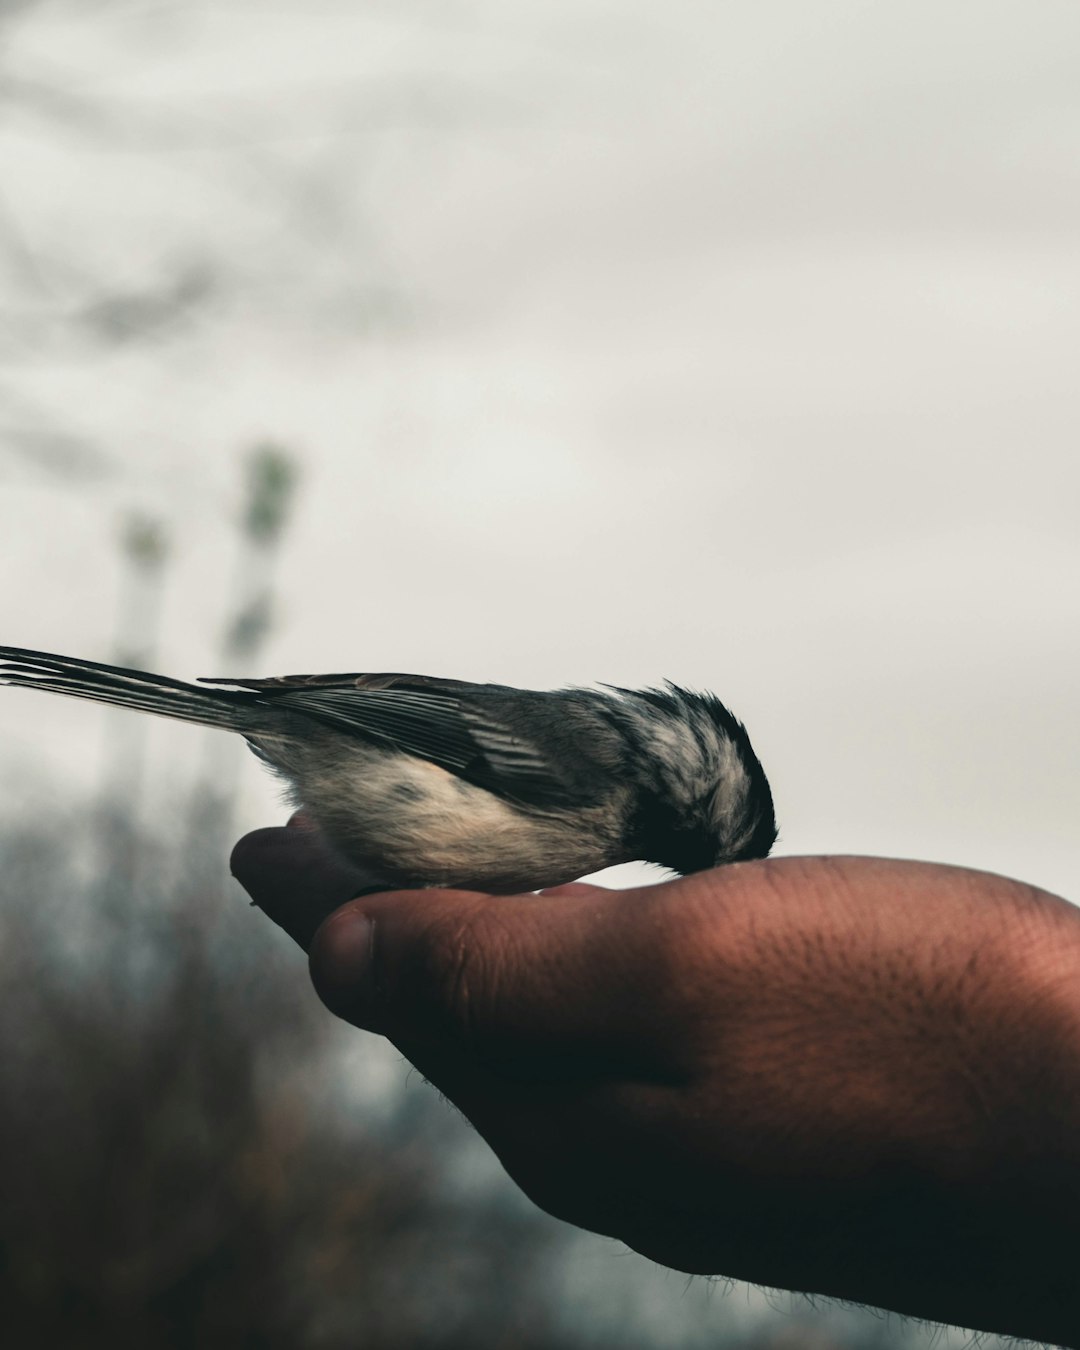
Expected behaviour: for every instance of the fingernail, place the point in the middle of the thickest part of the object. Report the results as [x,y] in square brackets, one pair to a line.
[341,962]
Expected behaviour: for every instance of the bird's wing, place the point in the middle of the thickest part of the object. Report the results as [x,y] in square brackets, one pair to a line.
[450,722]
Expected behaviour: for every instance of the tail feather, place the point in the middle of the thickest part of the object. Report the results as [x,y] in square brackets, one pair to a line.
[136,689]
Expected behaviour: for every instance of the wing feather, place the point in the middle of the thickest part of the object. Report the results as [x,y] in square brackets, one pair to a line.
[443,721]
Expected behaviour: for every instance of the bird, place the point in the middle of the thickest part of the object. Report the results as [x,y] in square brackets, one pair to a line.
[424,781]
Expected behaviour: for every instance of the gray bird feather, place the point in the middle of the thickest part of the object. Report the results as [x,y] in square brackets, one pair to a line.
[425,781]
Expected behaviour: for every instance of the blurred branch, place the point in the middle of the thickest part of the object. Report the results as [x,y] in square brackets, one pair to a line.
[144,551]
[144,542]
[58,452]
[271,479]
[271,482]
[120,316]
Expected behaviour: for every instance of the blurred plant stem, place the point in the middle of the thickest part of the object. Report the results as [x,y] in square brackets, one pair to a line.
[144,554]
[270,483]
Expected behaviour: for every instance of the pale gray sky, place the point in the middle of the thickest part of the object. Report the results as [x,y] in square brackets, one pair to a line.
[733,343]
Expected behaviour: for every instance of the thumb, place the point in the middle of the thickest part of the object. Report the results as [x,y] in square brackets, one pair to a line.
[533,986]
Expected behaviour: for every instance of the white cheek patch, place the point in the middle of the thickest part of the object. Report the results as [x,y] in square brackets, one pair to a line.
[693,755]
[730,796]
[703,770]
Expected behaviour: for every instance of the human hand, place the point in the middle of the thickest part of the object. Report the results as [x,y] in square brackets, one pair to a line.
[847,1076]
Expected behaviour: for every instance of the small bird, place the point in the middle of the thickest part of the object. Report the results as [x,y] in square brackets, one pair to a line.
[434,782]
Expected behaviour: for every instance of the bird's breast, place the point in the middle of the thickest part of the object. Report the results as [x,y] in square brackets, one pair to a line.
[417,824]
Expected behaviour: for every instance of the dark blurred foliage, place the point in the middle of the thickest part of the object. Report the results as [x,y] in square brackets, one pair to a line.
[174,1167]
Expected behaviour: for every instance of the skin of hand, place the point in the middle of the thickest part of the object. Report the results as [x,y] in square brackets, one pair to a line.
[855,1077]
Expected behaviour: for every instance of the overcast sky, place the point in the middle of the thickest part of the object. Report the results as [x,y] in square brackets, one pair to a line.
[733,343]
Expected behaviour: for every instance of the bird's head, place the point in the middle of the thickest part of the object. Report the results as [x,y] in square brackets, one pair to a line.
[704,798]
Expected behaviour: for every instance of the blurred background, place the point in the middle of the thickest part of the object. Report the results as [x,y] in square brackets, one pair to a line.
[532,342]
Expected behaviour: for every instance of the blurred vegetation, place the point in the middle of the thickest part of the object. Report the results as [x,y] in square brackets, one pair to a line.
[174,1168]
[271,481]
